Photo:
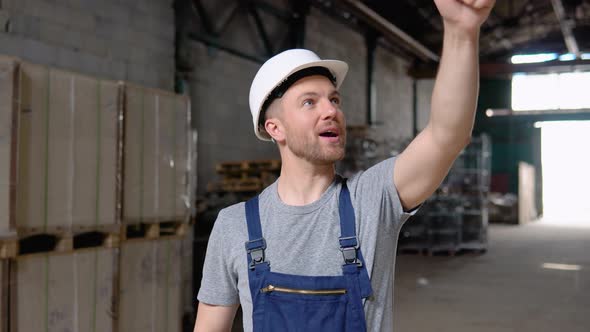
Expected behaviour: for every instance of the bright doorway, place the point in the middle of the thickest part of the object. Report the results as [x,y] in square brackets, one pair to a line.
[566,172]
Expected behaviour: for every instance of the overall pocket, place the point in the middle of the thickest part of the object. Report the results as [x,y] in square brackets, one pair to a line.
[305,310]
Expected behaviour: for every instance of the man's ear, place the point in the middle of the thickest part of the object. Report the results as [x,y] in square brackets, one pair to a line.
[275,129]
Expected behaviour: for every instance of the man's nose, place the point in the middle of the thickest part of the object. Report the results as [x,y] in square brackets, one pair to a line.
[329,110]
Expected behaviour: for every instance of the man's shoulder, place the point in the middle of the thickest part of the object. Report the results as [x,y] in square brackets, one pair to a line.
[237,212]
[232,213]
[230,225]
[375,173]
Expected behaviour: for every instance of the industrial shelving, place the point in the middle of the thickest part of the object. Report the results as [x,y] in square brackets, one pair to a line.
[455,217]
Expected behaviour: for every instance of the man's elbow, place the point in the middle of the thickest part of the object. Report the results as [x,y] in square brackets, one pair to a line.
[452,142]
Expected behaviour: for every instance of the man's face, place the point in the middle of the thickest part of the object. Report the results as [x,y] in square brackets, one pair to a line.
[315,127]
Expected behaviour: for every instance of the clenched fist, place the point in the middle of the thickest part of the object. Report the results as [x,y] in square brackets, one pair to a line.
[464,15]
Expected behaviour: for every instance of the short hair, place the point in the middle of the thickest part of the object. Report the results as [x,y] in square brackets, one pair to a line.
[271,108]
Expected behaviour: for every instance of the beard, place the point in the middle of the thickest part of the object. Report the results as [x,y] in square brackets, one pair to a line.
[312,149]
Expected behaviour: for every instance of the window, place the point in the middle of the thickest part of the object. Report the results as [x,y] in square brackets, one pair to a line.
[551,91]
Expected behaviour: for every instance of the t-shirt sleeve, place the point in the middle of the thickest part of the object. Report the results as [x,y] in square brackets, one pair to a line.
[219,284]
[377,196]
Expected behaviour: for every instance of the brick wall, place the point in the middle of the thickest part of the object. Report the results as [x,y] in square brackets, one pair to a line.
[112,39]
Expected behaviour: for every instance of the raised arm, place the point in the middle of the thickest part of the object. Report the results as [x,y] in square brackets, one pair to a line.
[423,165]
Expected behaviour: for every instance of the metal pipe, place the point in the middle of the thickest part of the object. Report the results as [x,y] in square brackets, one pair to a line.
[566,28]
[205,20]
[272,10]
[261,30]
[300,10]
[389,30]
[214,43]
[229,18]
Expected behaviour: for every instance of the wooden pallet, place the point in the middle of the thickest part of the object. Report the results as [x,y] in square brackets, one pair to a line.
[248,167]
[8,247]
[154,230]
[66,242]
[58,239]
[236,185]
[74,229]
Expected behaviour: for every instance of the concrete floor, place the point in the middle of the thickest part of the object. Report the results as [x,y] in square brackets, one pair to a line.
[503,290]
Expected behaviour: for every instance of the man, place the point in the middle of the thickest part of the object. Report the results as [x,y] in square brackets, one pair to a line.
[298,231]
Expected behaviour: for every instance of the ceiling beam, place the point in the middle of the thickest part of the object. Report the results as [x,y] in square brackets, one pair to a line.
[389,31]
[566,28]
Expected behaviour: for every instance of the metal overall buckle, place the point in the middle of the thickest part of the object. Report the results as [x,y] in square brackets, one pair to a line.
[255,249]
[349,253]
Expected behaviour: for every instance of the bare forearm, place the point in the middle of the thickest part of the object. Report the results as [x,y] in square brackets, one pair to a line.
[455,92]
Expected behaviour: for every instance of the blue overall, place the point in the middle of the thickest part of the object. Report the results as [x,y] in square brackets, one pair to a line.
[285,302]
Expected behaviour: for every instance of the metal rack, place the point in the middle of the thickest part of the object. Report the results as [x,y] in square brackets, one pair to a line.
[455,217]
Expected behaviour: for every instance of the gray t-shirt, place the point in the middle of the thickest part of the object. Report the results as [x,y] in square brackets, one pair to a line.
[303,240]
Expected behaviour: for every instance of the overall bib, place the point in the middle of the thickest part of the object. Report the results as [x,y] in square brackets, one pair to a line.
[292,303]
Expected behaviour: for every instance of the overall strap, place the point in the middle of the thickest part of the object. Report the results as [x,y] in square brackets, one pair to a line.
[348,239]
[256,244]
[349,245]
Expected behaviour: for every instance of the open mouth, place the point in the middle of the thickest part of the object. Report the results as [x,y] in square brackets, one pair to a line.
[329,134]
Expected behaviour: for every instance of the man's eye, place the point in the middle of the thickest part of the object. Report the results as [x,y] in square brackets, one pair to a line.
[308,102]
[335,101]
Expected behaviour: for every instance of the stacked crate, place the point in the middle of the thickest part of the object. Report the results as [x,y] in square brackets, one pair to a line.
[8,239]
[151,285]
[64,292]
[8,117]
[155,209]
[66,256]
[156,156]
[59,230]
[67,157]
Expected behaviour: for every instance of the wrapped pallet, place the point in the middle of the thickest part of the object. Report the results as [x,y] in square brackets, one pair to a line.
[156,156]
[69,292]
[151,286]
[67,156]
[8,120]
[4,297]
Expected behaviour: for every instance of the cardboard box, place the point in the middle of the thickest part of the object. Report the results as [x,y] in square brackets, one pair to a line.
[151,286]
[4,297]
[67,149]
[156,155]
[8,120]
[69,292]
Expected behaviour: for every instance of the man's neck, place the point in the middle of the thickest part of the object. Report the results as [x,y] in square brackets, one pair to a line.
[302,182]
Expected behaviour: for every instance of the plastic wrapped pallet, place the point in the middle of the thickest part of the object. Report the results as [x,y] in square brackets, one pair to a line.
[70,292]
[4,297]
[187,263]
[67,149]
[151,286]
[156,156]
[8,69]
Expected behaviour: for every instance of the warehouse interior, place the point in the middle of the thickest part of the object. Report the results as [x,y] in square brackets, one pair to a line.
[125,128]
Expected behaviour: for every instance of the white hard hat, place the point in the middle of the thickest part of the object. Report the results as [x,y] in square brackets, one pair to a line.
[277,73]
